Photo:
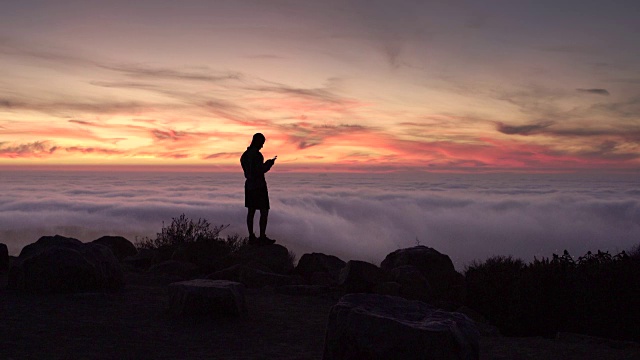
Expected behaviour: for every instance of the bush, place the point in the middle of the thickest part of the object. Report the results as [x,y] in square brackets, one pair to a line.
[597,294]
[193,241]
[182,230]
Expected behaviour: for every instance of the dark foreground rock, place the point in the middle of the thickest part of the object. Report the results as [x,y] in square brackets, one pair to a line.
[274,258]
[59,264]
[413,285]
[142,260]
[254,278]
[178,269]
[360,276]
[4,257]
[445,284]
[134,324]
[210,298]
[368,326]
[320,268]
[120,246]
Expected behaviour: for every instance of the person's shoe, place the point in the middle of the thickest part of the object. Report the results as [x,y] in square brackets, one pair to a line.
[253,240]
[264,240]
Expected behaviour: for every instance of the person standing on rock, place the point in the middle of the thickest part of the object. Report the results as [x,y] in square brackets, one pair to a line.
[256,195]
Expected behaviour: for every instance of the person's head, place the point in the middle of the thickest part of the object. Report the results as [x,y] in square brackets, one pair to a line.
[258,140]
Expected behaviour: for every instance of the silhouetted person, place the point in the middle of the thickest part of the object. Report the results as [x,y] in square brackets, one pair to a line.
[256,195]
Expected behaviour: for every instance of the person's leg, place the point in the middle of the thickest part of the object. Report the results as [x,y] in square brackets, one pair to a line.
[250,214]
[264,216]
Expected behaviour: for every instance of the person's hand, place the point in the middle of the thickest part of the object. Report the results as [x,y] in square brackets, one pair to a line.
[271,161]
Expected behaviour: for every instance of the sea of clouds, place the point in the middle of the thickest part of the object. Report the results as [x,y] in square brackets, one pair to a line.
[354,216]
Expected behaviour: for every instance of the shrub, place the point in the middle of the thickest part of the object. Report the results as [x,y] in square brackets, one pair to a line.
[597,294]
[194,241]
[182,230]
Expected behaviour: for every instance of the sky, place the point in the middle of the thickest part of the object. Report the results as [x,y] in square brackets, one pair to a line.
[542,86]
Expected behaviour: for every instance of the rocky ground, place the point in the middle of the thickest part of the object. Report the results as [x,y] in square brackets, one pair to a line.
[133,324]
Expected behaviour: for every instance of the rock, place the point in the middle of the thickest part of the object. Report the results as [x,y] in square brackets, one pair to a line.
[387,288]
[313,263]
[210,298]
[413,285]
[110,274]
[368,326]
[142,260]
[120,246]
[174,268]
[4,257]
[253,278]
[359,276]
[59,264]
[203,253]
[274,257]
[303,290]
[322,278]
[481,322]
[446,283]
[45,242]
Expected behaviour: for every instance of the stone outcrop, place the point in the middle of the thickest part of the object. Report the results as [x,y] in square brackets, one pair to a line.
[142,260]
[445,283]
[178,269]
[60,264]
[4,257]
[275,258]
[254,278]
[320,268]
[303,290]
[413,285]
[120,246]
[207,298]
[360,276]
[369,326]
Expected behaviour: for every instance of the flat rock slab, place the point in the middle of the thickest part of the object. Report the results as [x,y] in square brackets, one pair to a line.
[370,326]
[207,298]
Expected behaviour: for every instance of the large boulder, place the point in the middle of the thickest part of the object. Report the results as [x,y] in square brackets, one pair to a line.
[4,257]
[314,264]
[142,260]
[173,268]
[209,298]
[120,246]
[446,283]
[60,264]
[413,285]
[254,278]
[369,326]
[275,257]
[48,241]
[360,276]
[204,253]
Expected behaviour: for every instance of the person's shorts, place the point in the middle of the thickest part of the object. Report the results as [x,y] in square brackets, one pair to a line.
[256,198]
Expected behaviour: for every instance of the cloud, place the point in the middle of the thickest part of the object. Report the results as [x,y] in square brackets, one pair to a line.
[93,150]
[223,155]
[318,94]
[68,108]
[306,135]
[353,216]
[604,92]
[149,72]
[168,135]
[522,129]
[33,149]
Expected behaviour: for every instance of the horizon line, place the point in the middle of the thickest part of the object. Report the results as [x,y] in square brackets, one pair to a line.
[308,169]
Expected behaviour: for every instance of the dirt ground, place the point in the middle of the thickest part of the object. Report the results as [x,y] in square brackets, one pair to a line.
[133,324]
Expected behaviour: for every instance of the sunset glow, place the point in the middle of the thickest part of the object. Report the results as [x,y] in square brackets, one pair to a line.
[343,86]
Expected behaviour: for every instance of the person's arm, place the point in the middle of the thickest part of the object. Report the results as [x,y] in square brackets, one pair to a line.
[267,164]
